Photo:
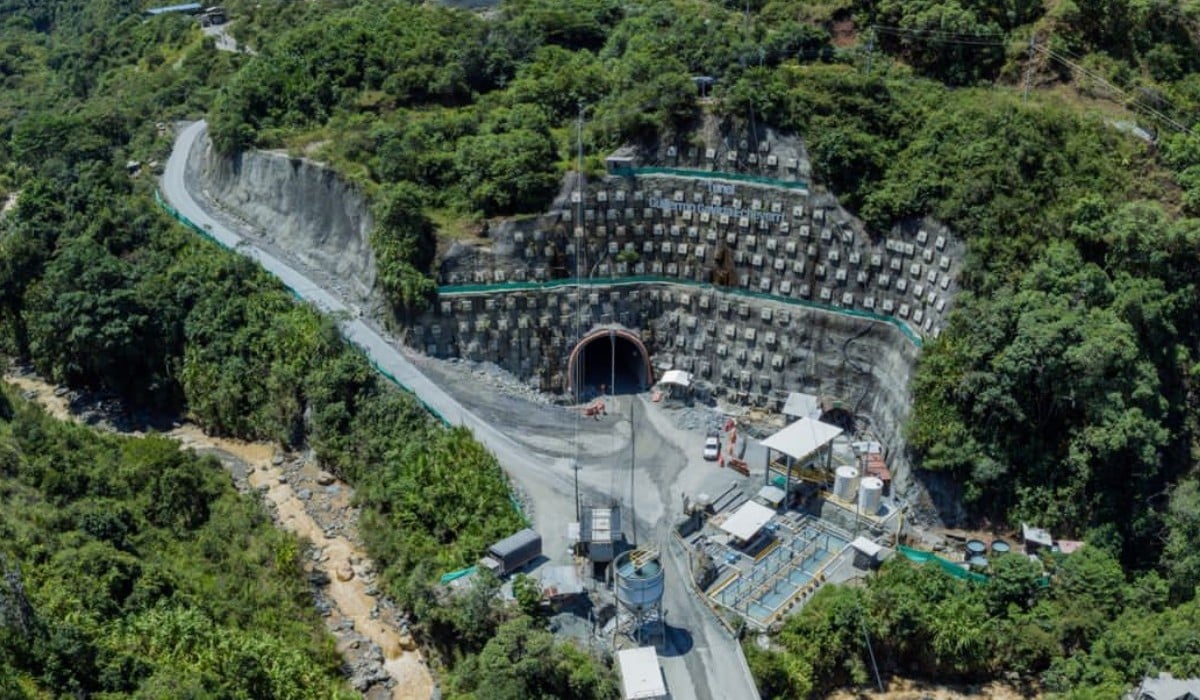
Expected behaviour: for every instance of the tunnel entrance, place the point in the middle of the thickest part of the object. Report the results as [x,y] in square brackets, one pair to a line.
[841,418]
[609,362]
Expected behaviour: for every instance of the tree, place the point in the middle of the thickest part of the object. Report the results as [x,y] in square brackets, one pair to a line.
[528,594]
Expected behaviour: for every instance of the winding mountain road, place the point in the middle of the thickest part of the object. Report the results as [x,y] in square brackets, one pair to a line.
[700,660]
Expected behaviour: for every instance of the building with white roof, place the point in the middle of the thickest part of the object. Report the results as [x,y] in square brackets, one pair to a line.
[641,677]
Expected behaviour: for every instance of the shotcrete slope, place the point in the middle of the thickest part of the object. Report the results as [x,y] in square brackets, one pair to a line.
[299,205]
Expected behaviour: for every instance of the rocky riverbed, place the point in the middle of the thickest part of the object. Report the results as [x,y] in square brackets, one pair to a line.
[381,659]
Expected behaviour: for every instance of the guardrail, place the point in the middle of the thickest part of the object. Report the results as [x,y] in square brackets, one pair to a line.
[471,289]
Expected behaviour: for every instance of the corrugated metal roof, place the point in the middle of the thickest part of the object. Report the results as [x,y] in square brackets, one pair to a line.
[802,438]
[748,520]
[799,405]
[513,543]
[641,677]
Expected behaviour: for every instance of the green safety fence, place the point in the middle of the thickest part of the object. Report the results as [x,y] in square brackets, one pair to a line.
[957,571]
[455,575]
[713,175]
[468,289]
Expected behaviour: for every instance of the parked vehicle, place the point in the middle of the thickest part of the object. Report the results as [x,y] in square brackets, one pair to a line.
[511,553]
[712,448]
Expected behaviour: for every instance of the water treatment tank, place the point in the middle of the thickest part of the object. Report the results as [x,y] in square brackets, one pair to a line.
[1000,547]
[843,482]
[870,493]
[976,548]
[639,576]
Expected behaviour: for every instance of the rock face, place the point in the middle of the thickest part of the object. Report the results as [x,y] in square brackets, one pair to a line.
[300,206]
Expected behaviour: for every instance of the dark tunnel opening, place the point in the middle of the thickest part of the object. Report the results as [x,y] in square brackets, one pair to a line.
[611,364]
[842,419]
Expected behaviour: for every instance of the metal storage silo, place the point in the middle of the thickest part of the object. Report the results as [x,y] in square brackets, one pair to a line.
[844,479]
[870,494]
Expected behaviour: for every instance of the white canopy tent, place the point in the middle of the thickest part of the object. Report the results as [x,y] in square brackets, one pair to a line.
[802,438]
[800,405]
[676,377]
[746,521]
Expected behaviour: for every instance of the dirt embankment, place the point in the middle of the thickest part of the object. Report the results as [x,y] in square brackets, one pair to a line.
[382,660]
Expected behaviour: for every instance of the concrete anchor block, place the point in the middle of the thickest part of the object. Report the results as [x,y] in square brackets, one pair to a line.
[922,237]
[862,277]
[785,287]
[902,285]
[780,264]
[888,305]
[805,291]
[820,272]
[945,282]
[869,303]
[918,316]
[826,294]
[672,269]
[847,299]
[765,284]
[840,275]
[918,290]
[790,248]
[904,311]
[834,256]
[940,243]
[884,281]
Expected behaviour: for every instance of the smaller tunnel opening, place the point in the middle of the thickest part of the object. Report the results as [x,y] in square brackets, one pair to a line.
[611,363]
[841,418]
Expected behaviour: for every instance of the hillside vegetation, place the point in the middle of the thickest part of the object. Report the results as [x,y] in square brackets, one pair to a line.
[130,568]
[1060,393]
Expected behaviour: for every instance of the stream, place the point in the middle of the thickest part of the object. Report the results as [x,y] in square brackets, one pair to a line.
[383,659]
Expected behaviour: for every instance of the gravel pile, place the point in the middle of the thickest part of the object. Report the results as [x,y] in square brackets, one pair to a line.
[501,380]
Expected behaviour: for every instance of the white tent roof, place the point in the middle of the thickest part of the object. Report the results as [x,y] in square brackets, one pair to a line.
[676,376]
[866,546]
[802,438]
[800,405]
[640,675]
[747,520]
[772,494]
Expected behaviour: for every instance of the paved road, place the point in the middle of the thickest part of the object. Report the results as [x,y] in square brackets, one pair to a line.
[701,660]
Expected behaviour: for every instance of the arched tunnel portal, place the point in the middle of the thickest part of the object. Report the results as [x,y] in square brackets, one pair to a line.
[615,359]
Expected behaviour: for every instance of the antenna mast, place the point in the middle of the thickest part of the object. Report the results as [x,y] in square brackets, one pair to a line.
[577,380]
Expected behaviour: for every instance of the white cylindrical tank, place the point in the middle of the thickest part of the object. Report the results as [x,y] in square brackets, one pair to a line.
[843,482]
[870,493]
[639,582]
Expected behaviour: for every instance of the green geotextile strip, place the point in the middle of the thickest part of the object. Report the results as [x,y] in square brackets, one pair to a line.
[455,575]
[921,557]
[713,175]
[469,289]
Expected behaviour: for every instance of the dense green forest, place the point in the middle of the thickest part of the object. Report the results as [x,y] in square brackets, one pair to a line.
[1061,391]
[130,568]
